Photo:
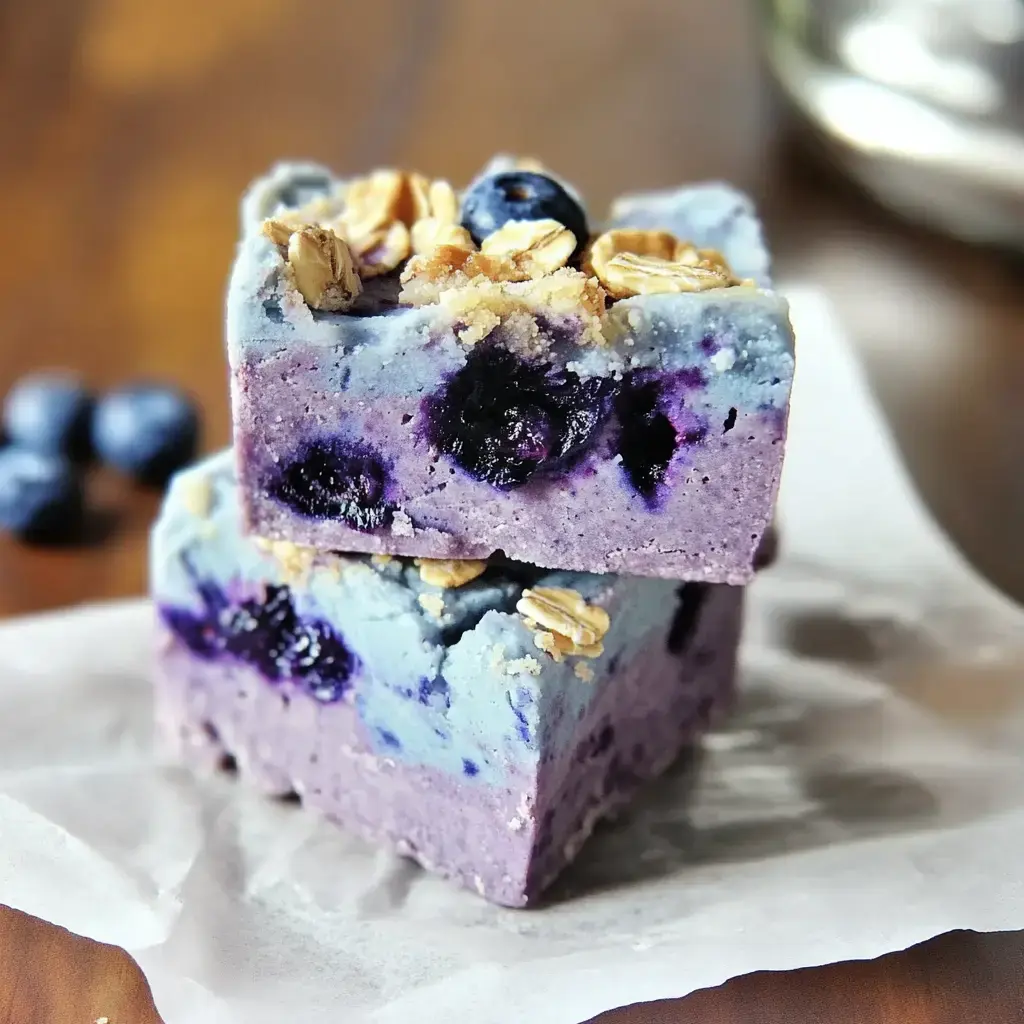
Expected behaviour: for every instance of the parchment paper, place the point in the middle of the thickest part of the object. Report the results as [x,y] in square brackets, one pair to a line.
[868,794]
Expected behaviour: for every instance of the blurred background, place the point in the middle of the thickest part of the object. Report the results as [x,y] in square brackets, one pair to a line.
[884,142]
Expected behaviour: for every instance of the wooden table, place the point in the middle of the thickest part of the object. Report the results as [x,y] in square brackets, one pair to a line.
[129,129]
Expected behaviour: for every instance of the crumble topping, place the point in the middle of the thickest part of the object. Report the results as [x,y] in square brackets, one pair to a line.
[479,291]
[320,264]
[643,262]
[533,247]
[197,495]
[432,604]
[449,573]
[581,670]
[294,560]
[437,218]
[563,623]
[527,665]
[522,274]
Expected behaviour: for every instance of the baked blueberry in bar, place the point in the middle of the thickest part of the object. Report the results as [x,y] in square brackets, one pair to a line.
[479,718]
[425,374]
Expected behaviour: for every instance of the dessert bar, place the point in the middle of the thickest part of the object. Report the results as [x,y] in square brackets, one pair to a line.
[480,717]
[417,372]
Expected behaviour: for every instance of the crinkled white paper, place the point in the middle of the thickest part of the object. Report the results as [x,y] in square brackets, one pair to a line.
[868,794]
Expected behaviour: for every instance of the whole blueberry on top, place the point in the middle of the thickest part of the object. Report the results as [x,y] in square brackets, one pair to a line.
[520,195]
[504,419]
[41,496]
[148,431]
[49,413]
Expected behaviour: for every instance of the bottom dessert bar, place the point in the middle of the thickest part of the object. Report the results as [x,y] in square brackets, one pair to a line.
[433,707]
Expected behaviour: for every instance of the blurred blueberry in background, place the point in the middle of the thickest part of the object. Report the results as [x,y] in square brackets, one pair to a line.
[41,496]
[49,413]
[147,431]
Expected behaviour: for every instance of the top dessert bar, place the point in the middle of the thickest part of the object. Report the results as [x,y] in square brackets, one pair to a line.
[420,373]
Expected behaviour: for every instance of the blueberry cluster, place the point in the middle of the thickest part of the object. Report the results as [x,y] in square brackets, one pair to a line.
[53,427]
[504,419]
[269,636]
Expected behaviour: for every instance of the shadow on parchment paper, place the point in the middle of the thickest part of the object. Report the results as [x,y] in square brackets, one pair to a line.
[768,782]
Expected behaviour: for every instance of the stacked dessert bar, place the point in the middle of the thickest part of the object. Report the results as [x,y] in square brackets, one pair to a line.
[474,569]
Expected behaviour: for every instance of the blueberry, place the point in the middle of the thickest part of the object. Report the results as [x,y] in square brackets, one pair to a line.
[261,633]
[196,632]
[520,195]
[268,635]
[319,660]
[147,431]
[49,413]
[504,420]
[41,497]
[335,479]
[654,424]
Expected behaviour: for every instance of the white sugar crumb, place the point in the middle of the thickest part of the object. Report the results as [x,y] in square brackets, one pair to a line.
[724,359]
[583,671]
[401,525]
[478,884]
[528,665]
[102,1020]
[515,824]
[432,604]
[497,653]
[617,460]
[197,495]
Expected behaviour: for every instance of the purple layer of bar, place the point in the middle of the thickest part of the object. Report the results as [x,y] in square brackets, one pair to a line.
[507,842]
[706,527]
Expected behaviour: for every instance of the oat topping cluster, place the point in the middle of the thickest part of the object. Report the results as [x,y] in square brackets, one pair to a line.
[563,623]
[517,244]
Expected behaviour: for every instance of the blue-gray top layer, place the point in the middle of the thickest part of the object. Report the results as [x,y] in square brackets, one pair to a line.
[470,686]
[663,331]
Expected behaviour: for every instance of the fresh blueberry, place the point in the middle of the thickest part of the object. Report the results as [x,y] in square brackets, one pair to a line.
[41,496]
[503,419]
[520,195]
[49,413]
[147,431]
[336,479]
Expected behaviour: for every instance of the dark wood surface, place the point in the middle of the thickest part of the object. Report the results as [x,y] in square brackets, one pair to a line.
[129,129]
